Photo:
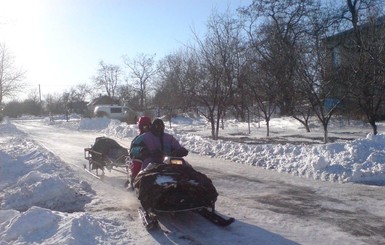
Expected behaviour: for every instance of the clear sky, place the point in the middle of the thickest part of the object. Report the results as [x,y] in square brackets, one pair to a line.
[59,43]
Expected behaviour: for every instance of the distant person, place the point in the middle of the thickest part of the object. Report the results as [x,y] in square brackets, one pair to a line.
[144,125]
[67,115]
[51,117]
[154,145]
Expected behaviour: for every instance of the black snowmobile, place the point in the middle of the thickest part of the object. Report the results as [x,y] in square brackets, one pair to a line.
[174,186]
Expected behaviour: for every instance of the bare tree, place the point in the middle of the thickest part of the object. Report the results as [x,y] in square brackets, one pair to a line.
[216,56]
[262,88]
[81,91]
[276,30]
[75,99]
[108,78]
[367,56]
[55,104]
[287,37]
[130,97]
[318,85]
[170,95]
[11,79]
[142,70]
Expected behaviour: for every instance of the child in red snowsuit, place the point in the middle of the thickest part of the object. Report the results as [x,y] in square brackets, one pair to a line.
[144,125]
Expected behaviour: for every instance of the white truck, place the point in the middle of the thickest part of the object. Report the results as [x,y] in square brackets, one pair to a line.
[122,113]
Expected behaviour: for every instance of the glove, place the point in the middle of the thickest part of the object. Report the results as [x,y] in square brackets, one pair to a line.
[156,153]
[181,152]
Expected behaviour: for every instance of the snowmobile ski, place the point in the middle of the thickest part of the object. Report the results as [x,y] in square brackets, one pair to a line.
[215,218]
[149,220]
[91,173]
[128,185]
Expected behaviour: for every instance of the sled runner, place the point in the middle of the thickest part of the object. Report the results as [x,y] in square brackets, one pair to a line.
[106,153]
[175,186]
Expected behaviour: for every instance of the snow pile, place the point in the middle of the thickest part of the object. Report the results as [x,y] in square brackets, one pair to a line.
[39,225]
[361,160]
[39,194]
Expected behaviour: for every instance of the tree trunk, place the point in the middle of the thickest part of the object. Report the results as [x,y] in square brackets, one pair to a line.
[212,128]
[326,137]
[217,127]
[304,122]
[374,126]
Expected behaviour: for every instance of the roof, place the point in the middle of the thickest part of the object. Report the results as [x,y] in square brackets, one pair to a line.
[378,22]
[103,100]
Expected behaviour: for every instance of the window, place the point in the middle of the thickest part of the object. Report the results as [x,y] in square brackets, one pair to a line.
[116,110]
[336,57]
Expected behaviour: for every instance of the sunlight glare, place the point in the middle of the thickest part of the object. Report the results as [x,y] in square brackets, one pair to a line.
[21,31]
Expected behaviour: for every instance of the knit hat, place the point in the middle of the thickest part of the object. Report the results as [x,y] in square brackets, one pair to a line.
[144,124]
[157,126]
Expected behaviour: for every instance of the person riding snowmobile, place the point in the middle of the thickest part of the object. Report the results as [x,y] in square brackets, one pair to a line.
[171,187]
[154,145]
[144,125]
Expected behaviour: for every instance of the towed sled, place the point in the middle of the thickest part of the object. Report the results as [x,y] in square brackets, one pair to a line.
[104,154]
[174,186]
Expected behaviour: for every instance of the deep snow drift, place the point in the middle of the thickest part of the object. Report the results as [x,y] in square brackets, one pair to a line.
[361,160]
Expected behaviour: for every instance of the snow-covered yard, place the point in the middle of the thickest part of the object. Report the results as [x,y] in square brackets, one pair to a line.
[300,192]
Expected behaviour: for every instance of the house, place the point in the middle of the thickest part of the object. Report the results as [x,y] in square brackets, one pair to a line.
[343,49]
[102,100]
[355,61]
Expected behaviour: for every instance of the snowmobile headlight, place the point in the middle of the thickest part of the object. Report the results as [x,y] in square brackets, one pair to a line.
[176,161]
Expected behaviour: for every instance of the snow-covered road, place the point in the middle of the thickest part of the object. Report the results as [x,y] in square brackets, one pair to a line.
[269,207]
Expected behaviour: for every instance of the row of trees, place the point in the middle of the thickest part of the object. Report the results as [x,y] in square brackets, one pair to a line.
[270,57]
[11,78]
[71,101]
[275,56]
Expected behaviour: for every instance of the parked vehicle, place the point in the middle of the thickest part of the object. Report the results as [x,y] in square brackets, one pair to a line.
[122,113]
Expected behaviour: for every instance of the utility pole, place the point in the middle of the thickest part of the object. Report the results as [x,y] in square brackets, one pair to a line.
[41,108]
[39,95]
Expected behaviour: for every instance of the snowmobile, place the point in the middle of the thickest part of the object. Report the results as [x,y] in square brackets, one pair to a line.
[104,154]
[175,186]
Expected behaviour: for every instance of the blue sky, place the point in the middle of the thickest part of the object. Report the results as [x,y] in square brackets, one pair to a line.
[61,42]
